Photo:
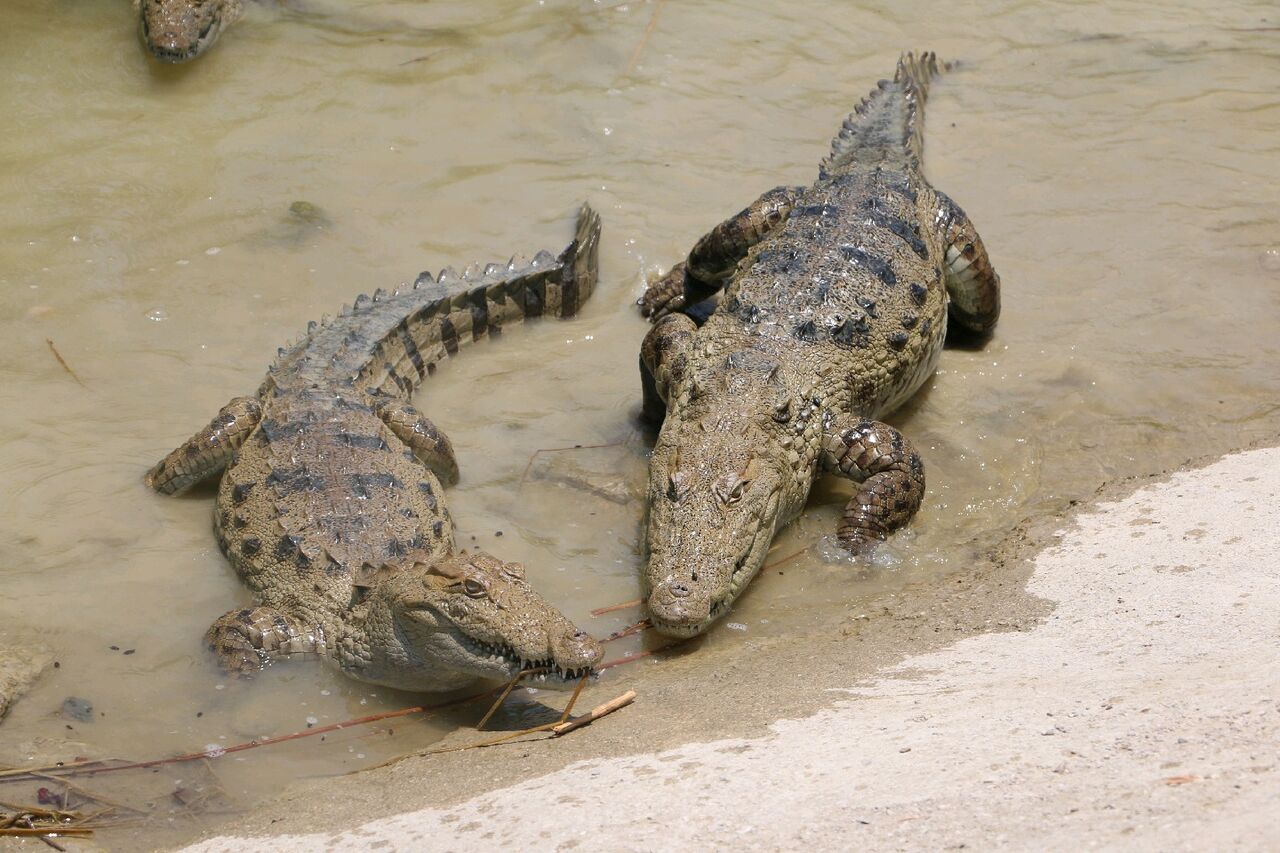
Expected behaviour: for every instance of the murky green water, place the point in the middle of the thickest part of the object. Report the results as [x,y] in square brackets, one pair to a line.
[1120,161]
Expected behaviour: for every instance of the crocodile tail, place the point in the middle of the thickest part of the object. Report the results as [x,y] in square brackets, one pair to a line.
[422,326]
[888,121]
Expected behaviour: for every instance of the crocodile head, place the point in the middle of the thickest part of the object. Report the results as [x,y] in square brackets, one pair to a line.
[181,30]
[442,625]
[713,508]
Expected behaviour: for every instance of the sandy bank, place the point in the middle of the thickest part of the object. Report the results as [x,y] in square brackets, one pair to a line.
[1143,710]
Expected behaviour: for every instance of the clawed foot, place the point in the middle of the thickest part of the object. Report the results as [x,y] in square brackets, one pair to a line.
[236,653]
[664,296]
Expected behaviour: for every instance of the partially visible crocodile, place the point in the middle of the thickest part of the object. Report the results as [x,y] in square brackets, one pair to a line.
[327,511]
[181,30]
[836,301]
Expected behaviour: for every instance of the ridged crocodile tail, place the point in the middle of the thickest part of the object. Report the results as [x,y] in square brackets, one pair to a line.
[889,123]
[389,343]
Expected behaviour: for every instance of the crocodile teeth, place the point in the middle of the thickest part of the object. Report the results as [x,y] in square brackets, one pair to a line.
[362,302]
[541,259]
[490,269]
[447,272]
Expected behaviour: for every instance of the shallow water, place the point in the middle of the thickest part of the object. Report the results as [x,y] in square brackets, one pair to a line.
[1119,161]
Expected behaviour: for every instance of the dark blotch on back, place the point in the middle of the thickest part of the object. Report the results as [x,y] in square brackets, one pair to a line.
[367,442]
[291,481]
[362,485]
[919,293]
[877,266]
[853,332]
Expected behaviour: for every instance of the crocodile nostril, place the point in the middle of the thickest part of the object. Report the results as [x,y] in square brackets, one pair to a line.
[680,590]
[580,636]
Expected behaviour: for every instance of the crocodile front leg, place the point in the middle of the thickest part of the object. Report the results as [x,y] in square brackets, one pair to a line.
[428,443]
[664,359]
[890,471]
[209,451]
[245,641]
[715,257]
[972,282]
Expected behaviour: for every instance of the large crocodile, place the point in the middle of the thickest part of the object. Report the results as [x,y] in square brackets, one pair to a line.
[181,30]
[836,301]
[327,511]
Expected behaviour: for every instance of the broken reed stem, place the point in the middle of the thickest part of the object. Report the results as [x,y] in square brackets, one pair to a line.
[577,691]
[94,767]
[644,39]
[63,362]
[534,456]
[594,714]
[642,625]
[600,611]
[498,704]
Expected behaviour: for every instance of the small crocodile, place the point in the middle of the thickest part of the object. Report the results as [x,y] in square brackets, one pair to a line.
[180,30]
[331,507]
[836,301]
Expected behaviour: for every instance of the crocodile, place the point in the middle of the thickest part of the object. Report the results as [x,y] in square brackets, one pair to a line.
[833,303]
[180,30]
[330,506]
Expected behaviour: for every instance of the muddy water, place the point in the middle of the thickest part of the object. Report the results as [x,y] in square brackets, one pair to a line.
[1119,162]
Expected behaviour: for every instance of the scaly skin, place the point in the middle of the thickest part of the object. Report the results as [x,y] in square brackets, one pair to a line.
[331,507]
[180,30]
[836,302]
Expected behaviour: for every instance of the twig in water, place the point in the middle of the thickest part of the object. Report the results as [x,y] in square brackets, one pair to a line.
[533,456]
[594,714]
[642,625]
[648,31]
[600,611]
[63,362]
[97,766]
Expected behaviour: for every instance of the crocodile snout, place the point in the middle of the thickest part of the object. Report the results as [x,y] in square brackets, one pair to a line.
[676,604]
[574,649]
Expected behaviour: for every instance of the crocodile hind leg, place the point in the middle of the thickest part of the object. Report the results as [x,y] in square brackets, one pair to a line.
[890,473]
[664,359]
[972,282]
[428,443]
[207,452]
[245,641]
[714,257]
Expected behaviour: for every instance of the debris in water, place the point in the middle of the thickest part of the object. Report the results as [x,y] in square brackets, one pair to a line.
[75,708]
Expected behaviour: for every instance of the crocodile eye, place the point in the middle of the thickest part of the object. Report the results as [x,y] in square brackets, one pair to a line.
[474,588]
[513,570]
[677,487]
[731,488]
[782,412]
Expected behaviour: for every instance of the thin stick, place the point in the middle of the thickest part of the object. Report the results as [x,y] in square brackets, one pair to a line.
[85,767]
[505,693]
[642,625]
[600,611]
[40,830]
[63,362]
[70,788]
[787,559]
[594,714]
[582,682]
[625,659]
[648,31]
[533,456]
